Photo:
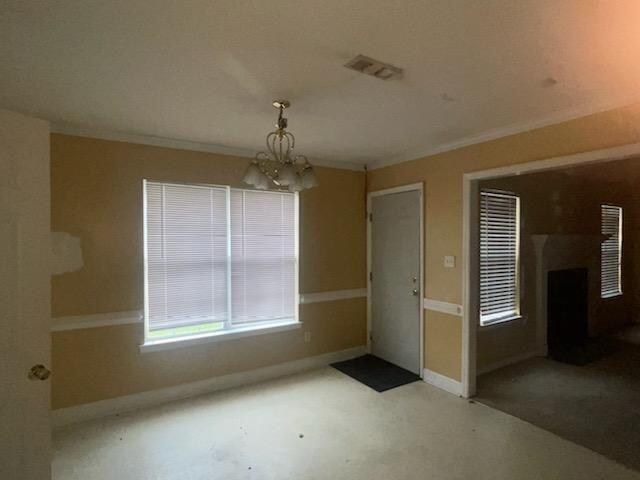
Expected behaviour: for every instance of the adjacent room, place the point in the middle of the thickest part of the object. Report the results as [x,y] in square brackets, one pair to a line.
[558,339]
[319,240]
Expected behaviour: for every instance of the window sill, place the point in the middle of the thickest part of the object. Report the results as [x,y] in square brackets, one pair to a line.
[501,321]
[611,295]
[171,343]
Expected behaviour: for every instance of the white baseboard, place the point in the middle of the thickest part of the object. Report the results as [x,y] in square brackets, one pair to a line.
[103,408]
[507,361]
[443,382]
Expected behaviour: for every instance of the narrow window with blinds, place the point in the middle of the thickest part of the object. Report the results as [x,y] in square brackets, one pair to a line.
[499,256]
[218,260]
[611,251]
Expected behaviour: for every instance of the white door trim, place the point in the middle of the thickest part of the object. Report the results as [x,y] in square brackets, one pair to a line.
[419,187]
[469,184]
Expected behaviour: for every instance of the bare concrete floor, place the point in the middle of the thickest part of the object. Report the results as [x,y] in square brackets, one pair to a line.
[322,425]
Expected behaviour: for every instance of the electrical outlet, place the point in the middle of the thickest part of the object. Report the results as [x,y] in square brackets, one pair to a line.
[449,261]
[307,336]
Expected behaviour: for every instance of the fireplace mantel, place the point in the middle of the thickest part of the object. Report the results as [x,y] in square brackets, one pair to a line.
[559,251]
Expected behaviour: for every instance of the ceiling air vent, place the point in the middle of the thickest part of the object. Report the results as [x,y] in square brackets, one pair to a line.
[375,68]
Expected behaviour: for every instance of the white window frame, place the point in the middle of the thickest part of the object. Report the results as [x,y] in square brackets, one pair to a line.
[227,333]
[509,316]
[618,291]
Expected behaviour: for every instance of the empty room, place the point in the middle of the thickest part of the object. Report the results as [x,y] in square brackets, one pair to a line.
[320,240]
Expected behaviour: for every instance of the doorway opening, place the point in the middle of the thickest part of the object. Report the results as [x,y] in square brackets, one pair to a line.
[565,356]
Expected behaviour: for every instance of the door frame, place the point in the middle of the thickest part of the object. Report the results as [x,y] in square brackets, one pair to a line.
[470,292]
[412,187]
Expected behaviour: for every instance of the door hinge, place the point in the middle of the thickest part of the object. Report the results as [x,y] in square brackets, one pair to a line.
[371,217]
[371,276]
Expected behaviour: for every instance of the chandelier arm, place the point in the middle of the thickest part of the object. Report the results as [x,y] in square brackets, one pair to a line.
[292,140]
[285,153]
[268,141]
[279,154]
[276,156]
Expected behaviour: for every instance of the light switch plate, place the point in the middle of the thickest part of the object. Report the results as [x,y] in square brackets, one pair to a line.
[449,261]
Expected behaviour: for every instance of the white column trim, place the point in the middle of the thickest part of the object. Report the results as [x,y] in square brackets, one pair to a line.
[442,382]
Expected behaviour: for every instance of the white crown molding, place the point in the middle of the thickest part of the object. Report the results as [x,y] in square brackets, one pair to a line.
[442,382]
[127,403]
[332,296]
[500,132]
[103,134]
[77,322]
[443,307]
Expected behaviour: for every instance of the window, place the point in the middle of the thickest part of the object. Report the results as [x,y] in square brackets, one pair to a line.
[218,259]
[611,251]
[499,244]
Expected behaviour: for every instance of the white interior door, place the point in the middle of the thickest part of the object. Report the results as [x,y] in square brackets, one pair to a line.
[395,282]
[24,297]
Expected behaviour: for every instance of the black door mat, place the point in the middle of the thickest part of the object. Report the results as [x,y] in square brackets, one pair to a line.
[376,373]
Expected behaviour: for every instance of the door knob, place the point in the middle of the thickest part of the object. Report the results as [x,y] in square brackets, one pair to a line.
[39,372]
[415,292]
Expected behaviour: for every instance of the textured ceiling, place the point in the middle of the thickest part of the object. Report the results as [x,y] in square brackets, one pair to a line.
[207,71]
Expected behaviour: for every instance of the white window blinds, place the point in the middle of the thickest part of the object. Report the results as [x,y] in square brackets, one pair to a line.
[499,244]
[263,256]
[217,258]
[611,251]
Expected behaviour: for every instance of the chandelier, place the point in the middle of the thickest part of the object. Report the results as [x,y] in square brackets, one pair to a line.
[278,167]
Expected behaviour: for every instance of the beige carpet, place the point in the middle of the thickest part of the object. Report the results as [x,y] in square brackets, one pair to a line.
[597,405]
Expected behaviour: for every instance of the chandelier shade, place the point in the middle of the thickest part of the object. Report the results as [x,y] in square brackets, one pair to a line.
[278,167]
[309,179]
[252,174]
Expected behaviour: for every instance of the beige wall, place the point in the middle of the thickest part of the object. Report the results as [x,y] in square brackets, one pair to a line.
[442,176]
[96,194]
